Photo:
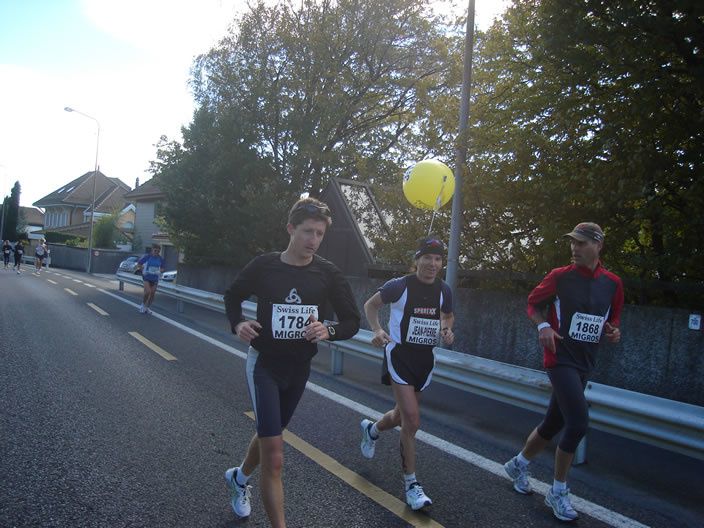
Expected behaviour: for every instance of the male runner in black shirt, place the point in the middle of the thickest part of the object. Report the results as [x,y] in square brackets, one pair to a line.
[292,287]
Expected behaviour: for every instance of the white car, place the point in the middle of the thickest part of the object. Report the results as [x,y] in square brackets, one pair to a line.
[130,265]
[169,276]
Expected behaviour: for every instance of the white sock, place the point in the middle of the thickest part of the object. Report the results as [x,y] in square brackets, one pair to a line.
[374,432]
[558,486]
[241,478]
[409,479]
[521,460]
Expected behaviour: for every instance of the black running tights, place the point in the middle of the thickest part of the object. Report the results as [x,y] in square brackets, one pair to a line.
[568,408]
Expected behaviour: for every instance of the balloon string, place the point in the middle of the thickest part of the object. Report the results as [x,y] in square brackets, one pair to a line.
[438,201]
[430,229]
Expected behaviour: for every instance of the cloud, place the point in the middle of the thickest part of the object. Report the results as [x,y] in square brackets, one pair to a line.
[178,27]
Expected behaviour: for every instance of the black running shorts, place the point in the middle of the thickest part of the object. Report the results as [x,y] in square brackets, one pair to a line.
[274,398]
[408,366]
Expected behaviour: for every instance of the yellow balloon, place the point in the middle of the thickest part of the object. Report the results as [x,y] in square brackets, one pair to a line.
[429,184]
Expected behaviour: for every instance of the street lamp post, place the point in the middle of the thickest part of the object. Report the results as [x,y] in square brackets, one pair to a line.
[453,252]
[95,177]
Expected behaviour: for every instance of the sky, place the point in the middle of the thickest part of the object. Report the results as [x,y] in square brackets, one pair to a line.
[124,63]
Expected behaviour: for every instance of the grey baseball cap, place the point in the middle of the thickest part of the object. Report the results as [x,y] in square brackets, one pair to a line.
[585,231]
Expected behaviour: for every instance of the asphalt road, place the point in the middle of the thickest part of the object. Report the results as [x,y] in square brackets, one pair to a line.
[113,418]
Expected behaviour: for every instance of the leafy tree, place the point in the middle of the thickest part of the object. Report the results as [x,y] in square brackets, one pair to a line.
[325,85]
[11,210]
[105,232]
[601,122]
[77,242]
[54,237]
[222,203]
[294,95]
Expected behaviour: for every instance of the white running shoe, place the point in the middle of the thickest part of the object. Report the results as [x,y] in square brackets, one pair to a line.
[416,497]
[147,311]
[519,475]
[241,495]
[368,443]
[561,505]
[141,308]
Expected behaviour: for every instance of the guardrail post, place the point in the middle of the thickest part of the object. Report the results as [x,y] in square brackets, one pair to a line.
[580,455]
[121,285]
[337,358]
[179,305]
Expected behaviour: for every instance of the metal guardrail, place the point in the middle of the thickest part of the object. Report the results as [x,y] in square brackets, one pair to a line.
[668,424]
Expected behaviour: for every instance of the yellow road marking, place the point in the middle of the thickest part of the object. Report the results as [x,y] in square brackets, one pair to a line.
[156,348]
[97,309]
[71,291]
[358,482]
[51,281]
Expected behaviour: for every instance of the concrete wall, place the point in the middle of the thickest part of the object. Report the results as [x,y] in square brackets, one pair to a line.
[67,257]
[657,355]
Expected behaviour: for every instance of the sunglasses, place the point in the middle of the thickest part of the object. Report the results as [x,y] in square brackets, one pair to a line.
[313,209]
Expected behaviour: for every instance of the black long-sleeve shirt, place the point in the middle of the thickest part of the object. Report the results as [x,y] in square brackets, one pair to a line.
[287,296]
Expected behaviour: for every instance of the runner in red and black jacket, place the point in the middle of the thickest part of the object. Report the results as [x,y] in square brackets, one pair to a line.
[572,307]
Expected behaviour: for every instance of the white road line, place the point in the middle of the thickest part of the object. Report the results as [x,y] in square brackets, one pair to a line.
[78,281]
[232,350]
[594,510]
[51,281]
[97,309]
[71,292]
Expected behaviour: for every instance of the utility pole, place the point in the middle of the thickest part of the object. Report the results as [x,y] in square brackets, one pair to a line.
[461,153]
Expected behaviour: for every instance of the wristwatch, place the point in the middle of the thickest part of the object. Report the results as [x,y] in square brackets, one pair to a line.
[331,330]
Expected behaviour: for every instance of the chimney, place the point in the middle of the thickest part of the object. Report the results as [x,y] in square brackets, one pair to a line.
[136,183]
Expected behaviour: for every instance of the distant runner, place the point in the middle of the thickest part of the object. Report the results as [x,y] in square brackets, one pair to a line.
[6,252]
[40,253]
[19,252]
[152,266]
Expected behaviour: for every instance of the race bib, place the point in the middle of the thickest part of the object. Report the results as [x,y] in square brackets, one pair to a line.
[40,251]
[586,327]
[153,270]
[20,252]
[288,321]
[423,331]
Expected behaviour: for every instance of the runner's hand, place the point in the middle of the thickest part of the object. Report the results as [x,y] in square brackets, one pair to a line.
[381,338]
[547,338]
[247,330]
[316,331]
[447,335]
[612,333]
